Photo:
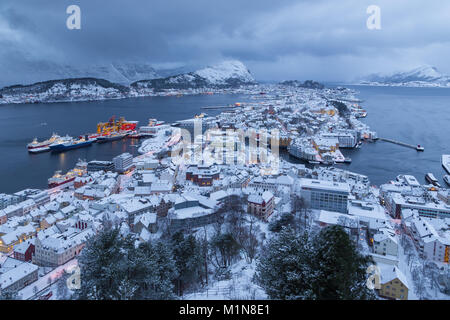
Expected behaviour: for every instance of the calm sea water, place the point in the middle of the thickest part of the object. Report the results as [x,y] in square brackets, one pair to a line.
[411,115]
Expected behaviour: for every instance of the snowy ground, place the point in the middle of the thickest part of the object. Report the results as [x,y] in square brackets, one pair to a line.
[43,282]
[239,287]
[431,292]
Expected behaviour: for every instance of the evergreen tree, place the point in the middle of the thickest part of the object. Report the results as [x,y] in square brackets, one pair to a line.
[189,260]
[62,291]
[100,266]
[283,270]
[161,271]
[339,269]
[327,267]
[286,219]
[112,268]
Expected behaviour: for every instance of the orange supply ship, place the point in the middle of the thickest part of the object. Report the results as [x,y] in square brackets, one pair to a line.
[105,129]
[113,126]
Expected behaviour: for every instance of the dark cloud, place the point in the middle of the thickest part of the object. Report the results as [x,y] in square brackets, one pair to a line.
[326,40]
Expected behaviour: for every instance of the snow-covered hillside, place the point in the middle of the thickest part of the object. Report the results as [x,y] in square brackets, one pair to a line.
[423,76]
[226,74]
[63,90]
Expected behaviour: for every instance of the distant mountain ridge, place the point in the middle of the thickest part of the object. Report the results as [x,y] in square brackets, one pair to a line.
[228,74]
[423,76]
[64,90]
[310,84]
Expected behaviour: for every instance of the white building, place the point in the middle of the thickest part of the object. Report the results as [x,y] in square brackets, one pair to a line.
[123,162]
[56,249]
[385,243]
[16,274]
[325,195]
[430,243]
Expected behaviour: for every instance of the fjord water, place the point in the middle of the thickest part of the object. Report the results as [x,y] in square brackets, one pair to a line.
[411,115]
[19,124]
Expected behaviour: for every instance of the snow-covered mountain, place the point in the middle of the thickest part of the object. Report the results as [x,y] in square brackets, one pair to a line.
[226,74]
[222,73]
[424,76]
[81,89]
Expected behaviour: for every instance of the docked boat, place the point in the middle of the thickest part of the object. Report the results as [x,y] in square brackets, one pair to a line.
[347,160]
[328,162]
[66,180]
[70,144]
[111,137]
[432,179]
[39,150]
[447,179]
[59,179]
[446,162]
[90,136]
[60,140]
[35,144]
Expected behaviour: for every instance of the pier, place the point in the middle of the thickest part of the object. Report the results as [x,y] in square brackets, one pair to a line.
[219,107]
[416,147]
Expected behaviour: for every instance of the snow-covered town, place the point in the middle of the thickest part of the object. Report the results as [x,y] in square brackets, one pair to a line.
[212,177]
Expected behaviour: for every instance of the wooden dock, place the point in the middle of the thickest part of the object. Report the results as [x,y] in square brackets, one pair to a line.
[416,147]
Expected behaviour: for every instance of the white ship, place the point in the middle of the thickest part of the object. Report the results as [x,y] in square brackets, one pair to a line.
[447,179]
[446,162]
[432,179]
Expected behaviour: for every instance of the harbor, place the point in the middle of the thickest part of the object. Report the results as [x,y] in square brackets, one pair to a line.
[379,161]
[106,132]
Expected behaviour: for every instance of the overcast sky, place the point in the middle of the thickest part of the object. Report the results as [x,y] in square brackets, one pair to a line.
[283,39]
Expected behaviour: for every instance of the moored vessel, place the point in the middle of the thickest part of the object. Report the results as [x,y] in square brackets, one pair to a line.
[69,144]
[39,150]
[111,137]
[67,179]
[35,144]
[446,162]
[447,179]
[432,179]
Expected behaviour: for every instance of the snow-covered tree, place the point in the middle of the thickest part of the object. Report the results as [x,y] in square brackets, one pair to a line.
[112,268]
[62,291]
[224,249]
[283,269]
[100,266]
[293,266]
[339,269]
[189,260]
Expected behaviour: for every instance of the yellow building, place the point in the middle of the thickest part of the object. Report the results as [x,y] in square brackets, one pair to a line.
[393,283]
[9,240]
